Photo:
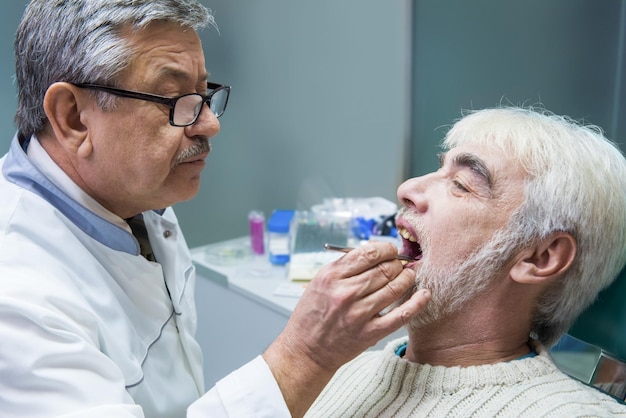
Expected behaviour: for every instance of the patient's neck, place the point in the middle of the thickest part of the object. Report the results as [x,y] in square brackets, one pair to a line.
[476,335]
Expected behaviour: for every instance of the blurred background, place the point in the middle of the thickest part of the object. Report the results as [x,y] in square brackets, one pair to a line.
[349,98]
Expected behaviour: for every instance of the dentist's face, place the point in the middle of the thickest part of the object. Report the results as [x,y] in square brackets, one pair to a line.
[139,161]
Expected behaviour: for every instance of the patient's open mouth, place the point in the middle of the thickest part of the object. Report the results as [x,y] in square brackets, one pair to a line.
[410,246]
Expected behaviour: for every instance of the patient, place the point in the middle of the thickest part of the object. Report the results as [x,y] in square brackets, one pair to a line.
[520,228]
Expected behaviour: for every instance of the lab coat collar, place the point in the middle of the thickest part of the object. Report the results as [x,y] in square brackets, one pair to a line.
[18,169]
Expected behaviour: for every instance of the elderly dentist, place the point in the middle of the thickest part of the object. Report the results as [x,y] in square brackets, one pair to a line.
[97,311]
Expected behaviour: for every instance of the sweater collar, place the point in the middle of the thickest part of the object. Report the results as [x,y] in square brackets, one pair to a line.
[401,351]
[453,378]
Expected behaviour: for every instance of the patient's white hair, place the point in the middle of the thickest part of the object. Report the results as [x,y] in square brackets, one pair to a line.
[576,183]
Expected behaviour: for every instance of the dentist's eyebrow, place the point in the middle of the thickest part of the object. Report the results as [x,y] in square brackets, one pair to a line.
[175,74]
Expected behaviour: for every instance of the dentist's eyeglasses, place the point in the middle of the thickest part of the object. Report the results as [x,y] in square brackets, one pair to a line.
[185,109]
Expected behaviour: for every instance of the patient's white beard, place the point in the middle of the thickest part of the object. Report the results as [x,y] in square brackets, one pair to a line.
[454,285]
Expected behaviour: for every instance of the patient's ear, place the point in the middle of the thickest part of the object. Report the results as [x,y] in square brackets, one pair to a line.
[548,259]
[65,106]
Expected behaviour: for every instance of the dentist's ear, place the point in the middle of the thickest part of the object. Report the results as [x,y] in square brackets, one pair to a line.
[545,261]
[65,106]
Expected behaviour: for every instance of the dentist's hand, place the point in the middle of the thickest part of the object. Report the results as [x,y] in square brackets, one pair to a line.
[338,317]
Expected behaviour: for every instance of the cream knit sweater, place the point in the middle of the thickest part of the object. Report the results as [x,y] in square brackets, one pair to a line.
[381,384]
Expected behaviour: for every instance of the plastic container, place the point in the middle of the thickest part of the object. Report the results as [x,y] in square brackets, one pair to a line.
[278,235]
[256,220]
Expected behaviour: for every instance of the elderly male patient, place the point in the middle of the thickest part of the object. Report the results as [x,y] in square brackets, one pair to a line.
[520,228]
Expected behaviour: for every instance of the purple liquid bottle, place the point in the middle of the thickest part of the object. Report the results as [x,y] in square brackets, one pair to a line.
[256,219]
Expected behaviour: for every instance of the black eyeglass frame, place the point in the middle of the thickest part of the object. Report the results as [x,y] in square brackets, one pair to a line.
[169,101]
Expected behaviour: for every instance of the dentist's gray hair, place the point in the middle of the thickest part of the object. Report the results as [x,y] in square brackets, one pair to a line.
[576,183]
[81,41]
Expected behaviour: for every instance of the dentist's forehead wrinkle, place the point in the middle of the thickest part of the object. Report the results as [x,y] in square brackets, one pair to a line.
[167,72]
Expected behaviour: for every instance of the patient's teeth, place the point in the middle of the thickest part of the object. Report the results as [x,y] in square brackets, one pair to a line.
[407,235]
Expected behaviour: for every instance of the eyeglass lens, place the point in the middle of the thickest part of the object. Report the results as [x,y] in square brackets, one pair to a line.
[188,107]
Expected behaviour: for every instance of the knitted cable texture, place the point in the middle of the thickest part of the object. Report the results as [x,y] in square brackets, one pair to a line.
[381,384]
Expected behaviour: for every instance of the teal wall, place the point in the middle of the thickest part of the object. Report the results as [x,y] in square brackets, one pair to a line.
[566,55]
[9,19]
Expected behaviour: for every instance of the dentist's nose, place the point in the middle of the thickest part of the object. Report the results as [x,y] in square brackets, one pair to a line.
[207,124]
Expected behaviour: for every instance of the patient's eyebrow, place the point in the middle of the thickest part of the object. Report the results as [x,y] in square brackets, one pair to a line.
[472,162]
[475,164]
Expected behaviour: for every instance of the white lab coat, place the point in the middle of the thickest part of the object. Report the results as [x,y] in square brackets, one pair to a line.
[89,327]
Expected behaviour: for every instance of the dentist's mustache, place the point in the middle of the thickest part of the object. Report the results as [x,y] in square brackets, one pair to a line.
[200,147]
